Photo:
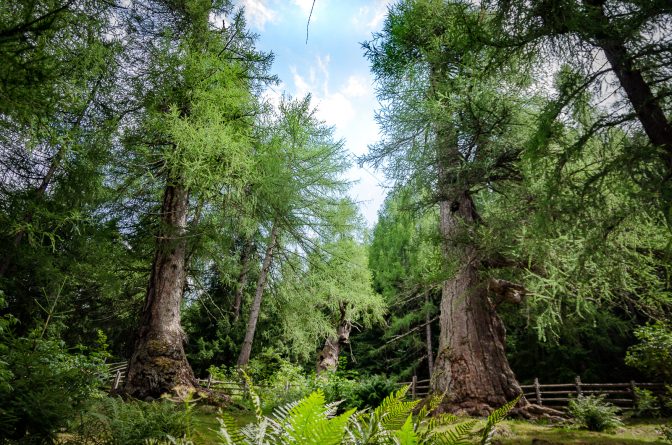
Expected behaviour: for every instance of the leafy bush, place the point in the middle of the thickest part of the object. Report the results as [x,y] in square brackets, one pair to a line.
[653,354]
[594,414]
[647,403]
[337,388]
[112,421]
[287,384]
[42,384]
[370,392]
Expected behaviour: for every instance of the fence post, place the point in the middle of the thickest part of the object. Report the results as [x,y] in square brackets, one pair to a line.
[209,382]
[414,383]
[117,380]
[577,380]
[634,393]
[537,390]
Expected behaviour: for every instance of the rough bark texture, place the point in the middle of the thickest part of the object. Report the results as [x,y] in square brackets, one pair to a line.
[245,257]
[246,350]
[327,359]
[158,364]
[471,364]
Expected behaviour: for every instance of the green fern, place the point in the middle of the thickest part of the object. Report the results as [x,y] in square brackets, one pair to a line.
[310,421]
[406,435]
[228,433]
[494,418]
[460,434]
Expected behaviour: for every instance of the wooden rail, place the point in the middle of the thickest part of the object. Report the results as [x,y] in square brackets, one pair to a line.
[555,395]
[558,395]
[418,388]
[117,375]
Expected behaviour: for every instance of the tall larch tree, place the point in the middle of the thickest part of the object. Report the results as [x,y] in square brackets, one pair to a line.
[446,130]
[198,105]
[298,191]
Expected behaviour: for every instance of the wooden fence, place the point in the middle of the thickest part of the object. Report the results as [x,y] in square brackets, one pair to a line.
[117,374]
[418,388]
[554,395]
[558,395]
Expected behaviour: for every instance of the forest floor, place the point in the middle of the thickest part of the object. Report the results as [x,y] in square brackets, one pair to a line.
[640,431]
[509,432]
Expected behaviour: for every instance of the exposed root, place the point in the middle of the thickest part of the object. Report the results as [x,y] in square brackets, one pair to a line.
[531,411]
[524,410]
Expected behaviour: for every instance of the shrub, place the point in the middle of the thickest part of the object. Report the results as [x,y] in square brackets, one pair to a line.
[371,391]
[287,384]
[112,421]
[42,384]
[337,388]
[653,354]
[647,403]
[594,414]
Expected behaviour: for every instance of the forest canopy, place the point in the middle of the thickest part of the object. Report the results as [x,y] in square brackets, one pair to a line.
[158,208]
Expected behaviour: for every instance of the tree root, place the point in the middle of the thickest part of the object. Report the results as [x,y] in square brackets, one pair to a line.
[531,411]
[524,410]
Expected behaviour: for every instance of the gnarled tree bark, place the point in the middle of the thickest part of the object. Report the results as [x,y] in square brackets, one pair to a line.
[327,359]
[158,364]
[471,364]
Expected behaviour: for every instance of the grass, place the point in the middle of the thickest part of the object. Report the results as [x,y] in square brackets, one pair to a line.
[206,424]
[632,433]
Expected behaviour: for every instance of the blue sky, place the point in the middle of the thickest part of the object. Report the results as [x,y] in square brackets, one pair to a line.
[331,67]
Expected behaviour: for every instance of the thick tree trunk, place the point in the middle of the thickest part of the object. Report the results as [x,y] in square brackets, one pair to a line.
[245,256]
[327,359]
[471,365]
[428,336]
[648,109]
[158,364]
[246,350]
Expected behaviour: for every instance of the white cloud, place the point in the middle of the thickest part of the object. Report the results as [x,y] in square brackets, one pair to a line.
[257,13]
[347,105]
[304,5]
[356,87]
[335,109]
[370,18]
[301,86]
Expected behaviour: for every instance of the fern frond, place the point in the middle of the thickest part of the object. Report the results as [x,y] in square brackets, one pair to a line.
[228,432]
[494,418]
[406,434]
[253,395]
[458,435]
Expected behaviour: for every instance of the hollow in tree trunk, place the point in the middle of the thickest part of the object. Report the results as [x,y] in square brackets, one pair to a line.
[158,364]
[246,350]
[327,359]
